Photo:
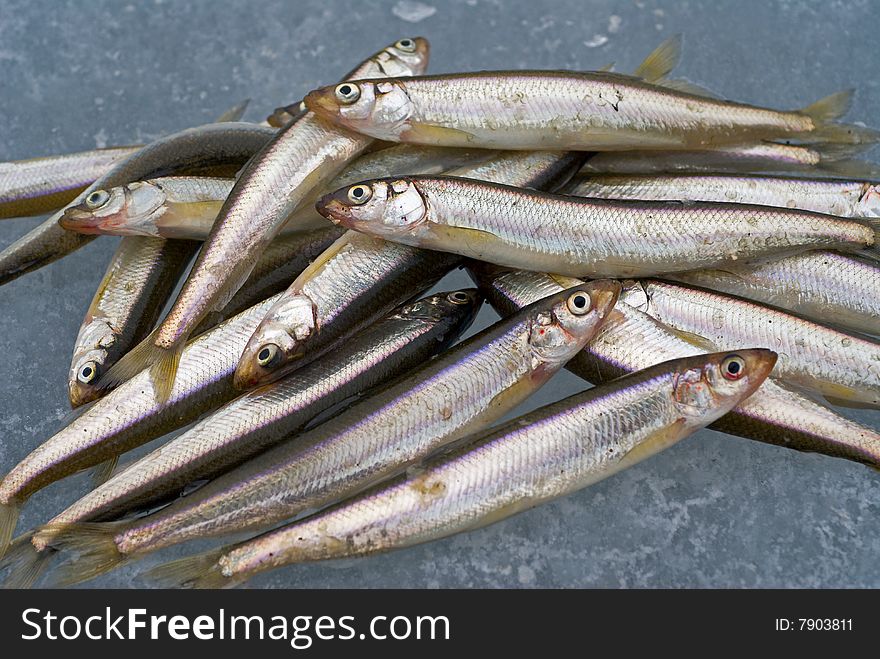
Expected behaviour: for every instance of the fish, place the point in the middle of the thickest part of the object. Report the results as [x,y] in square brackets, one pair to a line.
[294,165]
[131,415]
[285,258]
[840,197]
[142,274]
[199,147]
[631,340]
[577,236]
[463,389]
[579,111]
[538,457]
[42,185]
[360,277]
[815,159]
[829,287]
[186,207]
[835,289]
[843,367]
[257,420]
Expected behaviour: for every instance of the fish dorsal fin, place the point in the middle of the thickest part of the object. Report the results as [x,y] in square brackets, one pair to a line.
[661,61]
[234,113]
[607,68]
[686,87]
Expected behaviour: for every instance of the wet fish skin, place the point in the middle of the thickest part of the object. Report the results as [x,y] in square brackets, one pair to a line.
[824,286]
[631,340]
[203,146]
[285,258]
[276,181]
[538,457]
[257,420]
[591,111]
[130,416]
[186,207]
[42,185]
[462,390]
[129,299]
[767,157]
[840,197]
[827,287]
[843,367]
[360,277]
[576,236]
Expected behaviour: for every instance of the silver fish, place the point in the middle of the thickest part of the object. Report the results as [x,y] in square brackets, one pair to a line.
[577,236]
[462,390]
[536,458]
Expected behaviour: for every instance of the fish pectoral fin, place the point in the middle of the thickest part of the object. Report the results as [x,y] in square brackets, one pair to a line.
[660,62]
[843,401]
[101,473]
[436,135]
[694,339]
[652,445]
[465,236]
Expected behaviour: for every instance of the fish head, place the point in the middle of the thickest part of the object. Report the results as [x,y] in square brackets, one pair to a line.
[378,108]
[97,337]
[388,208]
[457,308]
[709,386]
[406,57]
[127,209]
[565,322]
[276,346]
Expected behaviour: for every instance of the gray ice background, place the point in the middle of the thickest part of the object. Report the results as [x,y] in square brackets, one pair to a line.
[714,511]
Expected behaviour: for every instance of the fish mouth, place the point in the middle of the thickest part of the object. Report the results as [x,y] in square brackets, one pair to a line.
[79,221]
[322,103]
[334,210]
[80,394]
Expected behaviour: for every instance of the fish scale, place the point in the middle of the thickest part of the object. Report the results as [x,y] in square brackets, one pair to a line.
[493,474]
[843,367]
[39,185]
[577,236]
[631,340]
[257,420]
[465,388]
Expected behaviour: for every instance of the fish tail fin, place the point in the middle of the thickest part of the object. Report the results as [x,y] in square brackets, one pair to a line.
[101,473]
[96,552]
[199,571]
[161,361]
[24,563]
[9,513]
[826,111]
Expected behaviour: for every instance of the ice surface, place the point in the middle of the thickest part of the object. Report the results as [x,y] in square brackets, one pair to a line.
[712,511]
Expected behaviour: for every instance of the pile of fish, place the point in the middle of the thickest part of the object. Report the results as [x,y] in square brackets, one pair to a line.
[700,261]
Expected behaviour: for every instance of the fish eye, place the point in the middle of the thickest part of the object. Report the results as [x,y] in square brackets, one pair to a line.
[268,355]
[347,93]
[359,194]
[578,303]
[88,373]
[406,45]
[97,198]
[733,367]
[458,297]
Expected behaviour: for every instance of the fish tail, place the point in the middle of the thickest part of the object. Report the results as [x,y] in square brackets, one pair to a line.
[161,361]
[95,549]
[199,571]
[9,513]
[24,563]
[826,111]
[101,473]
